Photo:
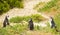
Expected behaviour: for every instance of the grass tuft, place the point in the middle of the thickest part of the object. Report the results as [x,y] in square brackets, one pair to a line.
[35,18]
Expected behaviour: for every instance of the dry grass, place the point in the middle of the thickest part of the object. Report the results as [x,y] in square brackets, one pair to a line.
[39,5]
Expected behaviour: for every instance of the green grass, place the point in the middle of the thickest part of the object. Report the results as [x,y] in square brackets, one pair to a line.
[13,30]
[57,21]
[47,29]
[19,28]
[35,18]
[39,4]
[49,5]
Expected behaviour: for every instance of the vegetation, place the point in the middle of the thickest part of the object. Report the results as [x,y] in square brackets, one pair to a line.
[5,5]
[13,30]
[52,6]
[20,29]
[17,29]
[39,5]
[57,21]
[36,18]
[48,6]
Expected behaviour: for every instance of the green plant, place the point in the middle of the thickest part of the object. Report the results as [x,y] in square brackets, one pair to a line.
[35,18]
[16,19]
[57,20]
[13,30]
[49,5]
[6,5]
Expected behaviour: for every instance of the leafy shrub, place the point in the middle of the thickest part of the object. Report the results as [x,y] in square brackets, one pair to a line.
[15,3]
[5,5]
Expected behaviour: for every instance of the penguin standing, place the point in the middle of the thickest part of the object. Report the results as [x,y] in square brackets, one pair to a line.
[6,21]
[53,23]
[31,25]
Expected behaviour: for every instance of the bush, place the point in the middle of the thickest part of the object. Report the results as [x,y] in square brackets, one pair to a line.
[15,3]
[5,5]
[18,19]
